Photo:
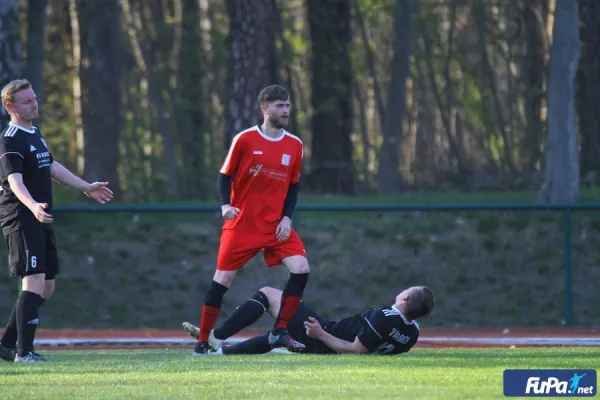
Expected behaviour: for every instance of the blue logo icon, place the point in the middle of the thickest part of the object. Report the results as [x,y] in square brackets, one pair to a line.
[550,382]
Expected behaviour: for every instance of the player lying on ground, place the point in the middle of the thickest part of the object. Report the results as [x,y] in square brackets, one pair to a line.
[388,330]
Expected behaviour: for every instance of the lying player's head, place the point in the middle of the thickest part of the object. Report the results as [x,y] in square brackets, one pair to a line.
[275,105]
[18,98]
[416,302]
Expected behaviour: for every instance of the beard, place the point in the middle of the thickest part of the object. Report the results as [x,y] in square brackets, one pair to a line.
[280,123]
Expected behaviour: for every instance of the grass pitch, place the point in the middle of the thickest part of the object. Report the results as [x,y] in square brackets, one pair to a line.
[175,374]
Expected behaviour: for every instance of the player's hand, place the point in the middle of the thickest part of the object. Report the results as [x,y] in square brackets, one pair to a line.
[284,229]
[313,328]
[39,211]
[99,192]
[229,212]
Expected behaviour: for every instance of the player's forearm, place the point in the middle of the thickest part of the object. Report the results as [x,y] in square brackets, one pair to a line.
[65,177]
[20,190]
[290,201]
[336,344]
[224,187]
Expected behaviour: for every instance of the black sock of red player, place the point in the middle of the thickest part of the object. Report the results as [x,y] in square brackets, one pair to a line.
[290,299]
[28,306]
[256,345]
[245,315]
[9,337]
[211,309]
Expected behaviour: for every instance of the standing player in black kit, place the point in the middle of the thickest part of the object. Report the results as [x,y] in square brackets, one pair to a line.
[26,172]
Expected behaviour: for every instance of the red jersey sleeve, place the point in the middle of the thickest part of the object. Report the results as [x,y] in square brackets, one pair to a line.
[298,167]
[234,156]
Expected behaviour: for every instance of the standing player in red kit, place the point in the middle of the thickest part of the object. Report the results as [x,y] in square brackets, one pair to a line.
[258,187]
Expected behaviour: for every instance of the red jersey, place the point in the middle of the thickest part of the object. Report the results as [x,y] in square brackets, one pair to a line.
[263,169]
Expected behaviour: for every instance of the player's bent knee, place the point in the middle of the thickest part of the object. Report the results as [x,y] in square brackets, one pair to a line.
[296,264]
[271,293]
[300,268]
[225,278]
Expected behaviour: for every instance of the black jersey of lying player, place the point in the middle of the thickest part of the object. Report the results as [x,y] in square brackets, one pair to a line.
[380,330]
[24,151]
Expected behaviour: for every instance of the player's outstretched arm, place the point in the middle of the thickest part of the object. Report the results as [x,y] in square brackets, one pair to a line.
[97,190]
[314,330]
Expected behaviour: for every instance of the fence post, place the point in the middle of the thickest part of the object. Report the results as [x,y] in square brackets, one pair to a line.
[568,265]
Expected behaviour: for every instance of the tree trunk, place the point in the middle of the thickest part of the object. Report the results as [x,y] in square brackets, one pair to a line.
[390,178]
[331,83]
[588,95]
[76,85]
[100,72]
[10,49]
[561,184]
[36,41]
[190,115]
[250,62]
[533,82]
[154,93]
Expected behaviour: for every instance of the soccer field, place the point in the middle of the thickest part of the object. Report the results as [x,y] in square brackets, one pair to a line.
[174,374]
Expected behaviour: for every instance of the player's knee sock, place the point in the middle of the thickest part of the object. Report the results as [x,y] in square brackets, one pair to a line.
[290,299]
[28,306]
[256,345]
[211,309]
[245,315]
[9,337]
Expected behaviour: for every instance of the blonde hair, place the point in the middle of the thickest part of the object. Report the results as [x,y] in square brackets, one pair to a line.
[8,91]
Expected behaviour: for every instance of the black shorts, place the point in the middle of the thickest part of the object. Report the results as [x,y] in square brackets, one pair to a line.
[298,332]
[32,251]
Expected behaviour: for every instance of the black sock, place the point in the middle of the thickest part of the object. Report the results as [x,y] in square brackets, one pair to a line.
[256,345]
[245,315]
[9,337]
[28,306]
[290,300]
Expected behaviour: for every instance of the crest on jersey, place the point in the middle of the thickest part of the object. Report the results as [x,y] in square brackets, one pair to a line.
[285,159]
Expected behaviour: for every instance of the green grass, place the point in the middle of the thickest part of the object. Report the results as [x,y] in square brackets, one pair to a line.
[174,374]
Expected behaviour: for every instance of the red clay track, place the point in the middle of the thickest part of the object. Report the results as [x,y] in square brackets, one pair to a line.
[432,337]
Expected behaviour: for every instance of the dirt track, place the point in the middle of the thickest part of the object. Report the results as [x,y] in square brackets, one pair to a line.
[432,337]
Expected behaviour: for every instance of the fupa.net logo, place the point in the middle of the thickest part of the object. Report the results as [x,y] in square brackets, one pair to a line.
[550,382]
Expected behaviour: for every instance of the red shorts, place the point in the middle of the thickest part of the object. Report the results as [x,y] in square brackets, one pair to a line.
[237,248]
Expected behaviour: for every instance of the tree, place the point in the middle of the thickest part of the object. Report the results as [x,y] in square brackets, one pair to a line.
[389,155]
[250,64]
[332,167]
[561,183]
[100,71]
[190,99]
[10,48]
[588,95]
[36,41]
[533,81]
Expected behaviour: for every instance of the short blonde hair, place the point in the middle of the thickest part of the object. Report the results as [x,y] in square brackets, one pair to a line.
[8,91]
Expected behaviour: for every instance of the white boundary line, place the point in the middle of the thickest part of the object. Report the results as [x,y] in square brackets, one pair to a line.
[503,341]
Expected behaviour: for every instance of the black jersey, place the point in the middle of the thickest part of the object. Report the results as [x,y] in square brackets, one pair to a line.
[23,151]
[380,330]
